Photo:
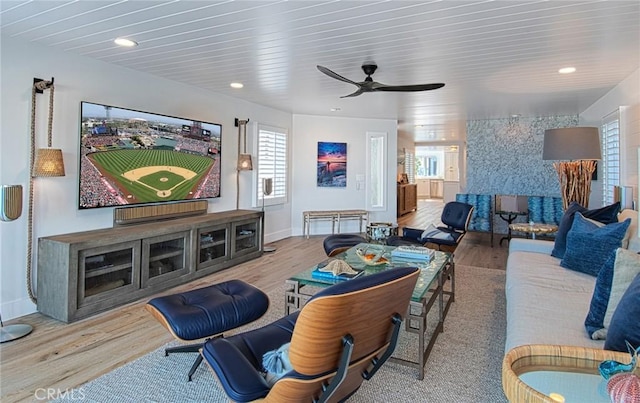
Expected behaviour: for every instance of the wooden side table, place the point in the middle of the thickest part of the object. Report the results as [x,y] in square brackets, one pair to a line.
[537,373]
[533,228]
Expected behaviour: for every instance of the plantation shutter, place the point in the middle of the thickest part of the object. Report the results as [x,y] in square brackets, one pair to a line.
[410,166]
[610,155]
[272,163]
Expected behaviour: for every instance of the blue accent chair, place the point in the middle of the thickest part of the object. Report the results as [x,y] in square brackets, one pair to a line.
[340,338]
[336,243]
[455,216]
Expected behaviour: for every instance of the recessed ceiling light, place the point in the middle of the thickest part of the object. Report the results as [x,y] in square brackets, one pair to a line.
[335,109]
[567,70]
[236,85]
[125,42]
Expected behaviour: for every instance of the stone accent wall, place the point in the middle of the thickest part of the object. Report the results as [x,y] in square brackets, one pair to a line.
[504,156]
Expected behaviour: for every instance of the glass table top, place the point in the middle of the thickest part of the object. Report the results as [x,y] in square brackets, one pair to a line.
[428,270]
[574,387]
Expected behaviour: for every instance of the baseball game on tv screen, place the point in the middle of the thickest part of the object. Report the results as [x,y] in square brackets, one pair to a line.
[132,157]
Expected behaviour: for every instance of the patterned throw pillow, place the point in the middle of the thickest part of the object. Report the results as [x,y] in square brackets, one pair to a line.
[605,215]
[613,280]
[589,246]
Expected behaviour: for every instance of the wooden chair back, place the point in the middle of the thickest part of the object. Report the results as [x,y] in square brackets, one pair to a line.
[316,344]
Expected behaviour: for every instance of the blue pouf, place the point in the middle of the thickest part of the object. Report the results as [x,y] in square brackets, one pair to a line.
[207,312]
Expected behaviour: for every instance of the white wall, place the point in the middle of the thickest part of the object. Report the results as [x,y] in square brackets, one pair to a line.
[309,130]
[626,96]
[77,79]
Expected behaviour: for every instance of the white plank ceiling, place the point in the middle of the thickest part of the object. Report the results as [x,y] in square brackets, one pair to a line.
[497,58]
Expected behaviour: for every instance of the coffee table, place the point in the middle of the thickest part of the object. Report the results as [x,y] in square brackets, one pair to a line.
[429,289]
[544,373]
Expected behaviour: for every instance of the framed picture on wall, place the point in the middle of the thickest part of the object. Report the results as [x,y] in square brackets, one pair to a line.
[332,165]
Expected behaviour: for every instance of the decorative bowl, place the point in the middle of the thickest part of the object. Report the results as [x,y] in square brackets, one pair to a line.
[372,256]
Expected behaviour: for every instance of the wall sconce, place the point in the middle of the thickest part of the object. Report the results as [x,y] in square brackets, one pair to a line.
[579,147]
[46,162]
[244,159]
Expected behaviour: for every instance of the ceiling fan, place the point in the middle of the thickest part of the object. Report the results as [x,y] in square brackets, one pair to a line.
[368,85]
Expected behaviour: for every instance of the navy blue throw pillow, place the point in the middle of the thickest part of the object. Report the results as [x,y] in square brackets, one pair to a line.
[589,246]
[605,215]
[600,298]
[625,322]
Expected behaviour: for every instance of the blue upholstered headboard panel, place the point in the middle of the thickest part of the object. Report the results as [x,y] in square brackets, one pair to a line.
[545,209]
[482,218]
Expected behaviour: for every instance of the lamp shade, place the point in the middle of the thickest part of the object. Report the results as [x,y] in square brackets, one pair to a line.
[48,162]
[244,162]
[571,143]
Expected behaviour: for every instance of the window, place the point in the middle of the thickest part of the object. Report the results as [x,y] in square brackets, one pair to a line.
[410,166]
[376,168]
[430,163]
[427,165]
[272,163]
[610,156]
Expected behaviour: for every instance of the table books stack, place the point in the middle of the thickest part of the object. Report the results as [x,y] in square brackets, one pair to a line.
[330,276]
[409,252]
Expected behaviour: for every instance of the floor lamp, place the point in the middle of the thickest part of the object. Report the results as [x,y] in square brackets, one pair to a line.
[576,149]
[267,189]
[10,209]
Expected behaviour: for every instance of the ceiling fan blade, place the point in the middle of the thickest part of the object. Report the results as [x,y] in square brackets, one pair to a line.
[335,75]
[354,94]
[406,88]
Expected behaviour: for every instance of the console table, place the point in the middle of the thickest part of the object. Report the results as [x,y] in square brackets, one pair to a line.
[335,216]
[83,273]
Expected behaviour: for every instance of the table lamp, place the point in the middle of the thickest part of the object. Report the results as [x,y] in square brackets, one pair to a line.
[576,149]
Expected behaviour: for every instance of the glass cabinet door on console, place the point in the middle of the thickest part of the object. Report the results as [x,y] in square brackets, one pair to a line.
[164,257]
[212,246]
[107,272]
[246,237]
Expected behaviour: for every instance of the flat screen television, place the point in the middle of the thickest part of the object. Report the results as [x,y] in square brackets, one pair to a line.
[131,157]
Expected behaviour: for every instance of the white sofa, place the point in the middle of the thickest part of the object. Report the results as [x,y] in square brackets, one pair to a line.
[546,303]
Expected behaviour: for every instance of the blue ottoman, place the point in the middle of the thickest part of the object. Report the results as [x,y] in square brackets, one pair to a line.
[334,244]
[207,312]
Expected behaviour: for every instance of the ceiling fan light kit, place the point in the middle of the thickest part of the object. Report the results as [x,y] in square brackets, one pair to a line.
[368,85]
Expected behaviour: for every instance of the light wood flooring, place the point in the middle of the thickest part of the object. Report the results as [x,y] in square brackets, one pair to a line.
[58,355]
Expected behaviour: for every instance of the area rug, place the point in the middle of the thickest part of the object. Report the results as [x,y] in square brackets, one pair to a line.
[464,365]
